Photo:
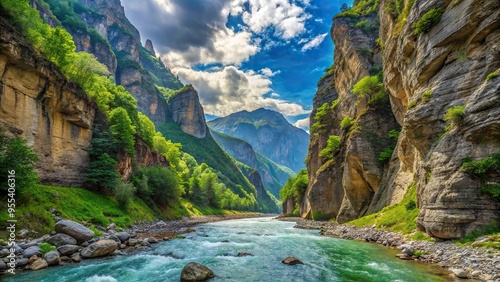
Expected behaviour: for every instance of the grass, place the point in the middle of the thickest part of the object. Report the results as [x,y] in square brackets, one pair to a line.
[396,218]
[492,231]
[411,105]
[80,205]
[454,116]
[426,96]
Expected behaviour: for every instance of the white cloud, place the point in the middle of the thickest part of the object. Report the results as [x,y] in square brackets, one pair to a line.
[275,95]
[302,123]
[268,72]
[315,42]
[231,90]
[287,18]
[228,48]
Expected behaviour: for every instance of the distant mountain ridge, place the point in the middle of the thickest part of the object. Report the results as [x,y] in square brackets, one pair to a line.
[273,175]
[269,133]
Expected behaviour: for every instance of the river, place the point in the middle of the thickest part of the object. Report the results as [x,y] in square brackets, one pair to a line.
[269,241]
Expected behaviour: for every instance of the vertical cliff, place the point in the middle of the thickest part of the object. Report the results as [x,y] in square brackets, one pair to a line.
[428,72]
[38,104]
[440,66]
[344,178]
[185,109]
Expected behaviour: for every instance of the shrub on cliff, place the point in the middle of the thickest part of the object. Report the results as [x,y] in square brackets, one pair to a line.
[427,21]
[454,116]
[332,145]
[16,156]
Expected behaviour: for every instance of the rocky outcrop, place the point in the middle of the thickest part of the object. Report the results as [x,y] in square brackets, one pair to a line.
[186,110]
[342,185]
[41,106]
[269,133]
[452,61]
[149,47]
[144,156]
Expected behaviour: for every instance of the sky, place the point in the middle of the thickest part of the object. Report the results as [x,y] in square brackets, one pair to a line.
[243,54]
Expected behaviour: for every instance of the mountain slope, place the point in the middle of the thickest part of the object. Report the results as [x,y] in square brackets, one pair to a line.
[273,175]
[269,133]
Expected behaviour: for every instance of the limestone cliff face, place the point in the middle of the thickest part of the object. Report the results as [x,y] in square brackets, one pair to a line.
[186,110]
[149,47]
[38,104]
[343,186]
[425,75]
[452,61]
[144,157]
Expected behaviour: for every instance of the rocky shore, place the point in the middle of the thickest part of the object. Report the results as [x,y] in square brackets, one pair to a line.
[72,242]
[465,262]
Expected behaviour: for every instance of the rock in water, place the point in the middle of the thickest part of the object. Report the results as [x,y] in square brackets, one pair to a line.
[74,229]
[194,271]
[291,261]
[99,249]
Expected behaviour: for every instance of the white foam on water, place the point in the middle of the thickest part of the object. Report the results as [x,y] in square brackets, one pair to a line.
[97,278]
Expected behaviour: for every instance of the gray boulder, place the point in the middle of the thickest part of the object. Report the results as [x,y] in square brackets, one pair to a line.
[4,253]
[74,229]
[196,272]
[31,251]
[2,265]
[123,236]
[61,239]
[114,238]
[22,262]
[99,249]
[52,258]
[66,250]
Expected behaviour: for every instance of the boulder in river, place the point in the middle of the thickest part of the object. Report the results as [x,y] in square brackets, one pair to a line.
[61,239]
[194,271]
[291,261]
[99,249]
[243,254]
[74,229]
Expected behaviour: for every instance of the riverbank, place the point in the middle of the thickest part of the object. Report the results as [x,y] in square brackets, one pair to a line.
[462,261]
[72,242]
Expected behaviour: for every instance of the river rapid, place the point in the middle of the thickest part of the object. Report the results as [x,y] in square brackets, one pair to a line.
[217,245]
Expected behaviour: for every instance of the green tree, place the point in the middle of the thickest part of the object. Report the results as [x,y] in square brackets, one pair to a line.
[58,47]
[332,145]
[122,129]
[146,129]
[16,156]
[84,68]
[102,174]
[367,86]
[124,192]
[164,185]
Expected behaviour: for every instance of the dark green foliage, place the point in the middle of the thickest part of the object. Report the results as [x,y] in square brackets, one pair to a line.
[483,169]
[360,8]
[164,185]
[122,130]
[17,156]
[364,25]
[394,134]
[322,116]
[102,175]
[411,205]
[124,193]
[385,155]
[395,8]
[427,21]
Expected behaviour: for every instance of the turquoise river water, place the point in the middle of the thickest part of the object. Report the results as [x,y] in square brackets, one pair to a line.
[269,241]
